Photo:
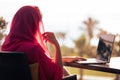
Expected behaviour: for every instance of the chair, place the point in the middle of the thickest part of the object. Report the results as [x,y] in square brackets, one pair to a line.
[14,66]
[35,76]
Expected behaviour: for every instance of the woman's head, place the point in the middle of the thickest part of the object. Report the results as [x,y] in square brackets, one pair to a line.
[26,27]
[26,22]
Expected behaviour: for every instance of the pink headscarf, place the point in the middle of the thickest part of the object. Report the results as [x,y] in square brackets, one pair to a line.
[25,26]
[26,30]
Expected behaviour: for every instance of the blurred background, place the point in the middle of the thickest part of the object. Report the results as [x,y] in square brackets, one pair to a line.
[77,25]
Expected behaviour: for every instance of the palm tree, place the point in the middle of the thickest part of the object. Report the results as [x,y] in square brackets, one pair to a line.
[90,23]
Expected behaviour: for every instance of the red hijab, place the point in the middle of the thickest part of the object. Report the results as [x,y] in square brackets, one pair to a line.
[25,26]
[26,35]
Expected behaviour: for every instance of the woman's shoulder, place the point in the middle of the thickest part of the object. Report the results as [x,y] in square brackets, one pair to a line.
[32,46]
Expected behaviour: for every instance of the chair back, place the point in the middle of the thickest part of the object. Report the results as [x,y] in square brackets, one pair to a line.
[14,66]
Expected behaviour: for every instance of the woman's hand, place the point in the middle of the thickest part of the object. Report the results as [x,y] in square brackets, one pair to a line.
[50,37]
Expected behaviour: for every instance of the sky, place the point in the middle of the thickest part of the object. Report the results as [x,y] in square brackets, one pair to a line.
[68,15]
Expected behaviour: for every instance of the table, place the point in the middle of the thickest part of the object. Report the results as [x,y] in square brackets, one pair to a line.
[112,67]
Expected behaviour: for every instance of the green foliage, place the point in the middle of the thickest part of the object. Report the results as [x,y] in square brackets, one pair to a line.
[67,51]
[3,26]
[3,23]
[80,42]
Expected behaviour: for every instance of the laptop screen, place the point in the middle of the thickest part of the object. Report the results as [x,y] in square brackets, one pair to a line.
[105,47]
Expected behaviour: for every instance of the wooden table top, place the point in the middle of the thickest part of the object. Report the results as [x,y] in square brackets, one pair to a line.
[112,67]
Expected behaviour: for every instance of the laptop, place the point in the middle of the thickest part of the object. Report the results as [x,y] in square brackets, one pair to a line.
[103,52]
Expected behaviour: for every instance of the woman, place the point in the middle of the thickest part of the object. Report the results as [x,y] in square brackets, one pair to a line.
[27,35]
